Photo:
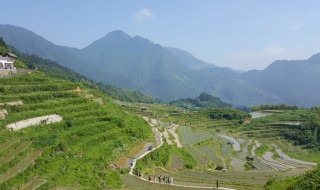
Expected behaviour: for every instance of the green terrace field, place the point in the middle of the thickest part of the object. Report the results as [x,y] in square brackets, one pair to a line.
[260,138]
[75,152]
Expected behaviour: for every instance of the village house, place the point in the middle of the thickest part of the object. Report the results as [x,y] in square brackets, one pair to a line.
[7,60]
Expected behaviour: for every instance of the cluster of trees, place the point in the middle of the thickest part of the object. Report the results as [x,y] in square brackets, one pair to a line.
[3,47]
[274,107]
[226,113]
[203,101]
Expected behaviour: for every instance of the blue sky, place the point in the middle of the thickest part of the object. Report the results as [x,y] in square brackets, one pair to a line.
[241,34]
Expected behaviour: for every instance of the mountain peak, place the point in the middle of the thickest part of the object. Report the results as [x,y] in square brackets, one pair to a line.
[117,34]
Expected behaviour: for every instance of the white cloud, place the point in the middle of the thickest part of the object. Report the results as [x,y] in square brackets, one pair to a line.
[143,15]
[296,28]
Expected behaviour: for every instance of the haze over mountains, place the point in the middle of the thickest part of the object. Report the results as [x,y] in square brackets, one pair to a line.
[170,73]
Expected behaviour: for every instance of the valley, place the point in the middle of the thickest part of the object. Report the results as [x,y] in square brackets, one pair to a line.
[225,150]
[96,136]
[60,130]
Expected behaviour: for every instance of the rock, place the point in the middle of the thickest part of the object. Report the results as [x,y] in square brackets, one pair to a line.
[4,111]
[2,115]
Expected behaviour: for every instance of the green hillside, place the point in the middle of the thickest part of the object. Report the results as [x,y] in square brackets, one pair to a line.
[310,180]
[203,101]
[75,152]
[55,70]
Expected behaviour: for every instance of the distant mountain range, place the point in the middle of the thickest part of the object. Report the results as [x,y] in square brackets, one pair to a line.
[169,73]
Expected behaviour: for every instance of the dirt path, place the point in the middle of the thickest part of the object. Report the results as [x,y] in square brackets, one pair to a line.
[166,136]
[146,118]
[145,153]
[154,121]
[175,135]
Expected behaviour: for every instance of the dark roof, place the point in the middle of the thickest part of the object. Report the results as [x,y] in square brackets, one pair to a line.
[12,55]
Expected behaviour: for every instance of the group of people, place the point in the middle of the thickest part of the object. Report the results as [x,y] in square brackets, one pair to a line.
[161,179]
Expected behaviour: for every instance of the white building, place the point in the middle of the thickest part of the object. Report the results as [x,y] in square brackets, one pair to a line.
[6,62]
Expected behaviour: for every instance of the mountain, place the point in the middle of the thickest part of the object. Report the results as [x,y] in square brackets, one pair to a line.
[188,60]
[167,73]
[296,82]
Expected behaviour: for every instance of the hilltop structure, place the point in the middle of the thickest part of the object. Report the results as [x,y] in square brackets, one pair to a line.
[7,61]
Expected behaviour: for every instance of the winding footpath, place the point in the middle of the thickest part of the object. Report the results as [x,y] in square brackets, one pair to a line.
[144,154]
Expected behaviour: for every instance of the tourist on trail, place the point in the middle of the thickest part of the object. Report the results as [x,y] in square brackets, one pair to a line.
[217,183]
[160,179]
[171,180]
[149,177]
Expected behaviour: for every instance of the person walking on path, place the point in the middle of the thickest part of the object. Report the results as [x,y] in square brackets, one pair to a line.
[217,183]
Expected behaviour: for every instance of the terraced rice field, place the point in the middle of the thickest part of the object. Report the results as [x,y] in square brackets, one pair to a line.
[176,162]
[90,136]
[209,153]
[14,151]
[218,152]
[198,156]
[192,137]
[34,184]
[20,166]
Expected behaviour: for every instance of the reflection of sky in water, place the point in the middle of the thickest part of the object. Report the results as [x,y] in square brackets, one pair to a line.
[236,145]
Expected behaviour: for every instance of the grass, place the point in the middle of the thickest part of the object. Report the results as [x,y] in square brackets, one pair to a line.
[8,143]
[11,154]
[76,150]
[34,184]
[20,166]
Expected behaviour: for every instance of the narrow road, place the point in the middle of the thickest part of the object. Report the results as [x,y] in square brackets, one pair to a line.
[144,154]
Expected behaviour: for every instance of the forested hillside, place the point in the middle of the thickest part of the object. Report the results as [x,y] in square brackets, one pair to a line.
[55,70]
[203,101]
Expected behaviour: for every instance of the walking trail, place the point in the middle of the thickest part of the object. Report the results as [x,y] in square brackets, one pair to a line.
[147,152]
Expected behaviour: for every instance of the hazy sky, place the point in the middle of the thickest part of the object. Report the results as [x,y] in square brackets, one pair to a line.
[241,34]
